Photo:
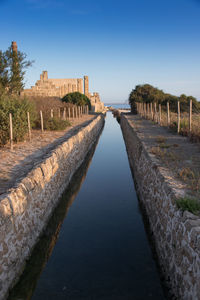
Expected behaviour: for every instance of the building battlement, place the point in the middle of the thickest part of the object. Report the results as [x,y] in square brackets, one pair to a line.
[54,87]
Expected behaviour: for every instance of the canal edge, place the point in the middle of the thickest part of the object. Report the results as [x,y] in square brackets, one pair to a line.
[175,234]
[26,209]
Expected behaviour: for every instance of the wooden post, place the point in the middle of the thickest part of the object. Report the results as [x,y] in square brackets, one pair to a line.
[69,112]
[141,109]
[178,117]
[168,115]
[51,113]
[155,112]
[42,124]
[29,126]
[59,113]
[151,110]
[190,117]
[73,112]
[160,114]
[145,110]
[78,111]
[11,131]
[64,113]
[75,109]
[148,109]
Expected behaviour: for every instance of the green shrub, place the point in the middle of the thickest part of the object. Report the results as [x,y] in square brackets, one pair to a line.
[190,204]
[18,108]
[77,99]
[56,124]
[52,123]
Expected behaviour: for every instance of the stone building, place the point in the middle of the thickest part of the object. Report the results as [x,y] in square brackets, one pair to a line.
[47,87]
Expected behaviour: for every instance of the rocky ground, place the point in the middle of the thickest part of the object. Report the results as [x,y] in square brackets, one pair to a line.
[15,164]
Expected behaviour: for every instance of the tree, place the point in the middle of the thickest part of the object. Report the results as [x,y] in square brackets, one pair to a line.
[146,93]
[4,80]
[12,70]
[77,99]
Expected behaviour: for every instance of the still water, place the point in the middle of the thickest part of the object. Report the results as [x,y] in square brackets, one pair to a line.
[95,246]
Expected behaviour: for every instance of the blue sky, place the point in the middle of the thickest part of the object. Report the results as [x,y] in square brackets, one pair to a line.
[118,44]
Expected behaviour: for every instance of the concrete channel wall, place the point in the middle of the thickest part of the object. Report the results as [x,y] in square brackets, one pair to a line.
[176,234]
[26,209]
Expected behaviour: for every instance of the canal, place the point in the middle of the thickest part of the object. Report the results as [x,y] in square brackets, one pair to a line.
[95,246]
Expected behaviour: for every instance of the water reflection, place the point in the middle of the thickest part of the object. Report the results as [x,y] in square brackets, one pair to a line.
[102,251]
[25,287]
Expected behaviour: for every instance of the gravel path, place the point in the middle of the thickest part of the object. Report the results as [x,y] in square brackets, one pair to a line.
[14,165]
[173,151]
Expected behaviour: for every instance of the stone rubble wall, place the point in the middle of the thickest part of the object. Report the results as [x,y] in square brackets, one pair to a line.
[26,209]
[176,234]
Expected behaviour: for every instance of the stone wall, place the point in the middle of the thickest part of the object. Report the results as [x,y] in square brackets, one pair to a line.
[176,234]
[25,210]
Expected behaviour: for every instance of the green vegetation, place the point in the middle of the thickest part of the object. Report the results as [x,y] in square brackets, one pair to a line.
[56,124]
[12,71]
[77,99]
[18,108]
[190,204]
[52,123]
[146,93]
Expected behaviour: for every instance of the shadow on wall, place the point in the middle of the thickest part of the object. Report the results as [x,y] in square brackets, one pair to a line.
[26,285]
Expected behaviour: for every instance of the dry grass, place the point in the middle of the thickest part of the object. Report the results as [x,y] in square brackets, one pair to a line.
[45,104]
[164,153]
[191,178]
[194,135]
[160,140]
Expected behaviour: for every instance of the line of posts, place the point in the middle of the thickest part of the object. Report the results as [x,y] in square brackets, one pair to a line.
[153,112]
[63,113]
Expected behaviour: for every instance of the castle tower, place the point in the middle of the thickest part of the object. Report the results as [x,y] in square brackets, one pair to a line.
[14,47]
[45,75]
[80,85]
[86,86]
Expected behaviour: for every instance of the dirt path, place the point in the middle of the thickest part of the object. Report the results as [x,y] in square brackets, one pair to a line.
[14,165]
[173,151]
